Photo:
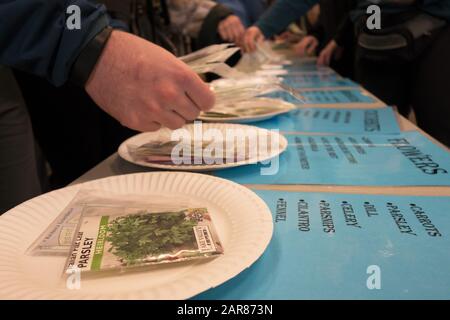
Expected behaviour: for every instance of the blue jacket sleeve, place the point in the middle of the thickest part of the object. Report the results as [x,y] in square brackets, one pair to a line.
[238,9]
[281,14]
[34,37]
[247,10]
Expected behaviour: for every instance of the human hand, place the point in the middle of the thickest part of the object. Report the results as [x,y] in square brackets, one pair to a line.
[251,37]
[145,87]
[307,46]
[332,49]
[231,29]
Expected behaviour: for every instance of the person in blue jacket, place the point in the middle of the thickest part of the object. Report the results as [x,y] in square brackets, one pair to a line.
[412,73]
[140,84]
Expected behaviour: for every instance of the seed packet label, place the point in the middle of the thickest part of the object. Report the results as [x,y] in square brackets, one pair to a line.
[349,246]
[89,244]
[204,239]
[407,159]
[379,120]
[348,96]
[120,238]
[58,237]
[314,81]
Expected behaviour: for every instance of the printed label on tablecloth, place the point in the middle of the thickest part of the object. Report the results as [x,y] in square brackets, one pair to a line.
[349,246]
[307,67]
[316,81]
[341,96]
[380,120]
[379,160]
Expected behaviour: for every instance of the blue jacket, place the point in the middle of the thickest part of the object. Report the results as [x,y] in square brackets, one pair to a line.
[34,37]
[284,12]
[248,11]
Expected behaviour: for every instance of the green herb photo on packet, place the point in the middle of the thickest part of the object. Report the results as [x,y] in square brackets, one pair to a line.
[111,238]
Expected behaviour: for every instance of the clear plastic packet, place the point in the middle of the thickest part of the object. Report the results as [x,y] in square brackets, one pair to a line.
[231,90]
[266,50]
[202,53]
[272,72]
[192,152]
[221,69]
[57,238]
[243,88]
[216,57]
[252,62]
[246,108]
[122,238]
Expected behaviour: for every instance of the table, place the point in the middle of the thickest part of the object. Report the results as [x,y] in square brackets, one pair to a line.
[114,165]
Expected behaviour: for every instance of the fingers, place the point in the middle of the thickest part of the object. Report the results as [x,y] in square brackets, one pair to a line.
[321,58]
[238,30]
[237,33]
[250,43]
[171,112]
[142,123]
[223,31]
[311,49]
[187,109]
[247,44]
[327,54]
[324,58]
[148,127]
[307,46]
[300,48]
[231,29]
[251,37]
[171,119]
[303,45]
[327,60]
[198,92]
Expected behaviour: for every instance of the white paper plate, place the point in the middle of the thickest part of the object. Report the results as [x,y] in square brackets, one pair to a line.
[164,134]
[243,222]
[283,107]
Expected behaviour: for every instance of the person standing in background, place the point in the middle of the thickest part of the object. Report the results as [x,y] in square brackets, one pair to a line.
[332,38]
[410,73]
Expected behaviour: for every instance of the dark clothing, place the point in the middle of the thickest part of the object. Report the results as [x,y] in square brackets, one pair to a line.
[19,180]
[333,21]
[209,34]
[335,24]
[421,84]
[34,37]
[437,8]
[284,12]
[73,132]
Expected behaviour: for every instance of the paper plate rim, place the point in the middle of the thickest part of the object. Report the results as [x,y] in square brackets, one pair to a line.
[230,271]
[124,154]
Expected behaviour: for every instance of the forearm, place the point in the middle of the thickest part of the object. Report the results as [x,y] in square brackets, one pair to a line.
[35,39]
[283,13]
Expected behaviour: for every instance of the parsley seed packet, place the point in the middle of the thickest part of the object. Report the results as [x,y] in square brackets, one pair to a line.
[112,238]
